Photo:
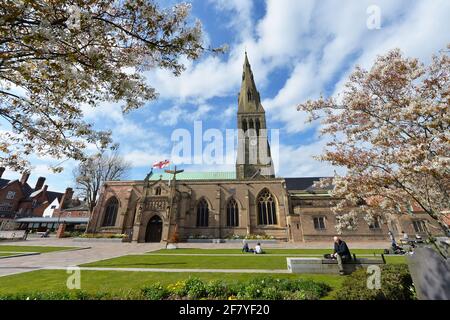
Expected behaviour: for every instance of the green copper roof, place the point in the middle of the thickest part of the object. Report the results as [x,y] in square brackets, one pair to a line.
[195,176]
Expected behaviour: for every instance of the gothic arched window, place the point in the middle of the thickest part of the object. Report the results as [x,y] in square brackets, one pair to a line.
[202,213]
[257,126]
[158,191]
[232,213]
[267,213]
[109,219]
[249,95]
[244,125]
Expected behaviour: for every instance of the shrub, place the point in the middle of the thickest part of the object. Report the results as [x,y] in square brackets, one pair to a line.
[311,290]
[177,289]
[155,292]
[271,293]
[396,284]
[250,291]
[296,295]
[57,295]
[217,289]
[195,288]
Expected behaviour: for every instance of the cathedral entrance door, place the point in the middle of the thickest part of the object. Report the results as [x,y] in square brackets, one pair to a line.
[154,230]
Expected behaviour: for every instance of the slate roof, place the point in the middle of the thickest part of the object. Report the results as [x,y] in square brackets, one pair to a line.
[28,191]
[3,182]
[196,176]
[53,194]
[304,184]
[54,219]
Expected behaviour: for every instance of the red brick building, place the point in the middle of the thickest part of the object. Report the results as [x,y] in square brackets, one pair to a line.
[71,207]
[19,199]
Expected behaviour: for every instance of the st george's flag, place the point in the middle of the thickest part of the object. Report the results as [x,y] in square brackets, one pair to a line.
[161,164]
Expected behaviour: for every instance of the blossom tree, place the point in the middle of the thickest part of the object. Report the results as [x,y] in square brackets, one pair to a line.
[390,128]
[57,57]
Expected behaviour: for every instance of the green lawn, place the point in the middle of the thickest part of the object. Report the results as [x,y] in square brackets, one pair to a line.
[174,261]
[193,262]
[119,281]
[267,251]
[12,248]
[6,254]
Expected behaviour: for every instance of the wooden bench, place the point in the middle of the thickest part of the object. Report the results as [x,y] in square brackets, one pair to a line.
[330,266]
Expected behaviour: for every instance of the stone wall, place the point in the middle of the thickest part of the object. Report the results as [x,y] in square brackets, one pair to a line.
[295,214]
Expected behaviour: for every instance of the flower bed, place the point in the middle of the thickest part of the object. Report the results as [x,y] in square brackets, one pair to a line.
[264,288]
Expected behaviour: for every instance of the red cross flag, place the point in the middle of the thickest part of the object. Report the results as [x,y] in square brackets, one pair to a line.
[161,164]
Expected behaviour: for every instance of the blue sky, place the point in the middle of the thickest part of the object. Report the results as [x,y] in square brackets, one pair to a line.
[298,50]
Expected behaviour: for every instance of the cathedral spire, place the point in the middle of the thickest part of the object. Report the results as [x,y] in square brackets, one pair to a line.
[254,160]
[249,99]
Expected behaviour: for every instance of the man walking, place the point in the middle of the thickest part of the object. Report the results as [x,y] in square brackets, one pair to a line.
[341,253]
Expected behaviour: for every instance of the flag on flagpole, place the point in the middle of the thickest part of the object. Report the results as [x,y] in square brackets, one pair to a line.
[161,164]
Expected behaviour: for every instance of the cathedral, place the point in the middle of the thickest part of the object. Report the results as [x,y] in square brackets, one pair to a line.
[178,206]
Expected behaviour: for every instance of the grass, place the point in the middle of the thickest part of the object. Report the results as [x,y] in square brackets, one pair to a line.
[119,281]
[267,251]
[7,254]
[176,261]
[9,248]
[193,262]
[395,259]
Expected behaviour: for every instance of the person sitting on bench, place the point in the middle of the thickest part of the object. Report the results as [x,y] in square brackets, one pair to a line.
[341,253]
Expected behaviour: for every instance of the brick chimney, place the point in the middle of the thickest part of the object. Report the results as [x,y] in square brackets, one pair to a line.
[39,183]
[2,169]
[66,198]
[24,177]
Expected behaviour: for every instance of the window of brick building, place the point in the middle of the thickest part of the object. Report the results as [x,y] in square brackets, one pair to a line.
[232,213]
[420,226]
[10,195]
[319,223]
[112,207]
[267,213]
[202,213]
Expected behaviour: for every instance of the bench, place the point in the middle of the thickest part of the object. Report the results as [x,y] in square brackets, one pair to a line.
[330,266]
[13,235]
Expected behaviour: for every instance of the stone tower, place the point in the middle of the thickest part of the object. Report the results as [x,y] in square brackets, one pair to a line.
[253,160]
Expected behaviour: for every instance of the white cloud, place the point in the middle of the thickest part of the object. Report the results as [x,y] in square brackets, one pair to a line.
[299,161]
[174,115]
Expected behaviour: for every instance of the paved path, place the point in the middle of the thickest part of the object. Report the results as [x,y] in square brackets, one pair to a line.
[63,259]
[248,254]
[106,250]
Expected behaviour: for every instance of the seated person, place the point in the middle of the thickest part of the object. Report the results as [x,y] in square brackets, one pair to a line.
[396,249]
[258,249]
[341,253]
[405,237]
[245,248]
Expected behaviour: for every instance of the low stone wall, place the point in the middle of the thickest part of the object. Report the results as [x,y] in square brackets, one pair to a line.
[98,240]
[328,266]
[232,241]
